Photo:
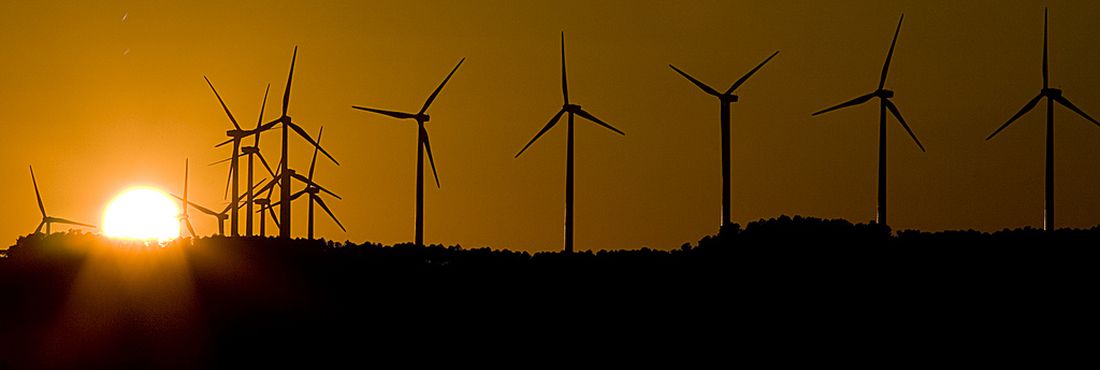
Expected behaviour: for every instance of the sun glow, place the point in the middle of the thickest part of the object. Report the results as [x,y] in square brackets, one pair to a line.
[142,213]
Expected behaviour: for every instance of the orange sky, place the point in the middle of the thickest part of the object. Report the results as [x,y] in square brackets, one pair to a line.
[97,103]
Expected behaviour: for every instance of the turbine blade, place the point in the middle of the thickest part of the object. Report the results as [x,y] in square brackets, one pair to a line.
[543,131]
[223,160]
[319,187]
[228,181]
[894,109]
[1027,107]
[325,207]
[268,167]
[274,217]
[889,55]
[1061,99]
[305,136]
[440,88]
[428,148]
[190,228]
[39,228]
[234,120]
[564,85]
[221,144]
[856,101]
[70,222]
[37,194]
[747,75]
[700,84]
[313,162]
[198,207]
[399,115]
[1046,71]
[289,79]
[260,121]
[293,197]
[590,117]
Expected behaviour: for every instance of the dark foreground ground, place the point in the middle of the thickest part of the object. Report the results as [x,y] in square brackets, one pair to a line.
[780,290]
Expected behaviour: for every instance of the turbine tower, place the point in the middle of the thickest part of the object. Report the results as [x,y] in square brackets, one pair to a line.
[884,97]
[725,99]
[422,145]
[572,109]
[1052,95]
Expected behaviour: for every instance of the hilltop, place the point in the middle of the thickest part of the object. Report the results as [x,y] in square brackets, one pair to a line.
[211,302]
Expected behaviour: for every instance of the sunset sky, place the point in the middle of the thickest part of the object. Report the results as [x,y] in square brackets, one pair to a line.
[102,96]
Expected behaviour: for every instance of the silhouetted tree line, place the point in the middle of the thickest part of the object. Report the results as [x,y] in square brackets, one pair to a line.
[225,302]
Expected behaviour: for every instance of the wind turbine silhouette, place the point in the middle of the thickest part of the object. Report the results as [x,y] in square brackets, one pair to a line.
[884,96]
[726,99]
[572,109]
[313,190]
[48,221]
[1052,95]
[286,173]
[184,218]
[235,135]
[422,146]
[221,216]
[252,152]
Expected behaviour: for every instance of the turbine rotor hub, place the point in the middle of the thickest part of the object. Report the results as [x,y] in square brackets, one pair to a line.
[572,108]
[423,118]
[312,189]
[730,98]
[886,93]
[1052,92]
[249,150]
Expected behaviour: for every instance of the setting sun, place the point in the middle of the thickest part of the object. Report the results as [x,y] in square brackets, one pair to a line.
[142,213]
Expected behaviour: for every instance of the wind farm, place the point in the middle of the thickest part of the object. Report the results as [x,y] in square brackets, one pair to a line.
[322,248]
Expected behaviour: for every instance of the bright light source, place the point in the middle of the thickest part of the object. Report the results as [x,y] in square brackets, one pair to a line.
[142,213]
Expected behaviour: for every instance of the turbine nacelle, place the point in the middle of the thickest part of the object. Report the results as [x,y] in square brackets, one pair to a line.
[728,98]
[246,150]
[884,93]
[236,134]
[1052,92]
[422,118]
[312,190]
[571,108]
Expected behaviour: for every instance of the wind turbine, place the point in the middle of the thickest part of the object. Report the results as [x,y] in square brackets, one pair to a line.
[287,174]
[235,135]
[422,146]
[252,152]
[1052,95]
[725,99]
[48,221]
[572,109]
[184,218]
[884,97]
[313,190]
